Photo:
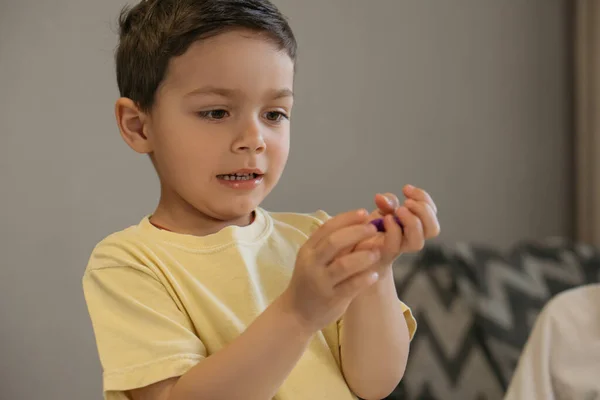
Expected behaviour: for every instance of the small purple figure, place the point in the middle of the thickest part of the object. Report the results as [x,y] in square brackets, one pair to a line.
[381,228]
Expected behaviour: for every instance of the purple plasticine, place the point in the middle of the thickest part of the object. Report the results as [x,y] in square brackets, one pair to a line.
[379,223]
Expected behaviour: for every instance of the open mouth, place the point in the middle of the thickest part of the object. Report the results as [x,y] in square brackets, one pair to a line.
[239,177]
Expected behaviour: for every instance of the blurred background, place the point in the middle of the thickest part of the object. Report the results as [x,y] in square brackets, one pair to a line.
[488,105]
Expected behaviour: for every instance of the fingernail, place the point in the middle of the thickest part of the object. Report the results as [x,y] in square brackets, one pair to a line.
[362,212]
[389,201]
[409,187]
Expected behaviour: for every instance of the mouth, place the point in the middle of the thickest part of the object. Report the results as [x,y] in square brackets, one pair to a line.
[239,176]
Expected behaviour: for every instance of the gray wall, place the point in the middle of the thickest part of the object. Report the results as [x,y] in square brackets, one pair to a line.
[466,98]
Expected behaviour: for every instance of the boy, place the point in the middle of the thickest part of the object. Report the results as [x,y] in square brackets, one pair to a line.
[212,297]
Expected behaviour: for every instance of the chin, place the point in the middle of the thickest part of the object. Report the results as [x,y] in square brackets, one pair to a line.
[234,209]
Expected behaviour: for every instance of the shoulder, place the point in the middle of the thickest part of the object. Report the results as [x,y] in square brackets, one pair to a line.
[124,248]
[573,305]
[304,222]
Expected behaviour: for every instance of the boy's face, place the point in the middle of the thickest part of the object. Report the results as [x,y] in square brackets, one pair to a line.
[222,109]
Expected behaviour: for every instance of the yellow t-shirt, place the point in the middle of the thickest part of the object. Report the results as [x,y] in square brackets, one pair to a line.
[160,302]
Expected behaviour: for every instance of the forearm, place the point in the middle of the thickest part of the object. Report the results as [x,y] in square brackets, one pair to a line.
[375,341]
[251,367]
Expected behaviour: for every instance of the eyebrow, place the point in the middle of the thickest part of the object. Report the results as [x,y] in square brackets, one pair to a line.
[279,94]
[224,92]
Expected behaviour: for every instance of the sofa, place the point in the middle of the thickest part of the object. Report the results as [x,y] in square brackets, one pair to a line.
[475,306]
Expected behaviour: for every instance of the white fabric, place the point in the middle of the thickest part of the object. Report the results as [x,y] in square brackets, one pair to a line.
[561,360]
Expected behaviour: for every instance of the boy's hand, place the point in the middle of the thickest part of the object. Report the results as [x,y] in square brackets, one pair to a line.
[324,282]
[418,215]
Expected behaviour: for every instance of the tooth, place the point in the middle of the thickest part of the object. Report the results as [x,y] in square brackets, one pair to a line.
[238,177]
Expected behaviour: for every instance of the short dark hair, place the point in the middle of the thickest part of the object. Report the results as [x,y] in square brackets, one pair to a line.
[154,31]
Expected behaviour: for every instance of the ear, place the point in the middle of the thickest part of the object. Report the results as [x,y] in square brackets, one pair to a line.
[133,124]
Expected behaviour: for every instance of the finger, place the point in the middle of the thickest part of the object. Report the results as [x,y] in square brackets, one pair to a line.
[387,203]
[414,240]
[330,247]
[375,242]
[431,225]
[376,214]
[365,244]
[355,263]
[346,219]
[356,284]
[419,195]
[393,238]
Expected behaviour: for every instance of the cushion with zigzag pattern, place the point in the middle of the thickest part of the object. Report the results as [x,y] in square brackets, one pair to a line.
[475,307]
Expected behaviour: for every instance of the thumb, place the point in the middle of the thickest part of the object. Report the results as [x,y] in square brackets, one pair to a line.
[387,203]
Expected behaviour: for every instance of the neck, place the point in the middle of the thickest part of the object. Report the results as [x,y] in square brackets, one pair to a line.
[176,215]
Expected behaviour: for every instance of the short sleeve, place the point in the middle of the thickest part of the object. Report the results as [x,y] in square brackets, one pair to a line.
[141,334]
[411,322]
[319,218]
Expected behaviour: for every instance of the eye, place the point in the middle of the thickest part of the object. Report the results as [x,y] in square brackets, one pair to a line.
[275,116]
[214,114]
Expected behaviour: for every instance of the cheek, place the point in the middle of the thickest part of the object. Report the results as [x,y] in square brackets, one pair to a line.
[279,149]
[185,154]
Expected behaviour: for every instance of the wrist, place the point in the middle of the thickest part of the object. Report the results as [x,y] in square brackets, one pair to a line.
[300,327]
[385,283]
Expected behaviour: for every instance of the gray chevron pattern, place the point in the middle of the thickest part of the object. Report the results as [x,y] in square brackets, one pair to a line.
[475,308]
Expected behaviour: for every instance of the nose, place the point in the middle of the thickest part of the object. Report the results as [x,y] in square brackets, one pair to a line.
[250,139]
